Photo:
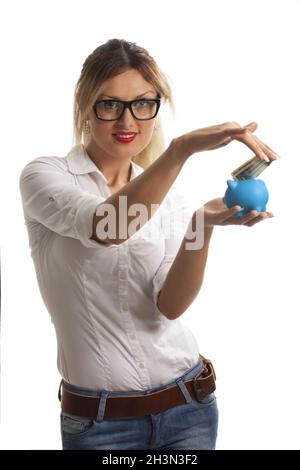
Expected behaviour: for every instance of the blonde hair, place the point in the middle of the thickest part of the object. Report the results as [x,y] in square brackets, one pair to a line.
[107,61]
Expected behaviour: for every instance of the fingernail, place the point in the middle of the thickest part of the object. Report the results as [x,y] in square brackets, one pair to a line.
[277,156]
[265,157]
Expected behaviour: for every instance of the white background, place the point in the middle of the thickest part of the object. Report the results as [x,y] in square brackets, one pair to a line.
[226,60]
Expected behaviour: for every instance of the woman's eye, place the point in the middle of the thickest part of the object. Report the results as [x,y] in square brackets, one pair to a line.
[142,103]
[110,105]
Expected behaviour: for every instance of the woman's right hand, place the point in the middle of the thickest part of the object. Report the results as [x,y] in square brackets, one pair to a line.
[215,212]
[214,137]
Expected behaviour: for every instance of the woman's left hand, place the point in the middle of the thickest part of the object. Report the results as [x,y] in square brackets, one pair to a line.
[217,213]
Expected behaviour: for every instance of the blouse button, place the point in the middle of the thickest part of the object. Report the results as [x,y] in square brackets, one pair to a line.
[123,275]
[125,306]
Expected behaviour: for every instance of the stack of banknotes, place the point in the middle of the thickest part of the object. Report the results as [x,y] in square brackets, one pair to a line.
[250,169]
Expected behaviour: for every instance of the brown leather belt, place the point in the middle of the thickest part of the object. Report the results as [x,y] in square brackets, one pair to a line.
[135,406]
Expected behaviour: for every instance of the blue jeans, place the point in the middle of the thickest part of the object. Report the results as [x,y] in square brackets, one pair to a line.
[191,426]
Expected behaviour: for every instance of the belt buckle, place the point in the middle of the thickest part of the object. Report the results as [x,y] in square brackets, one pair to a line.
[197,388]
[196,385]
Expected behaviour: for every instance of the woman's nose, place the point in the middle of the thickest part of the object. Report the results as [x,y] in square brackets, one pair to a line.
[126,120]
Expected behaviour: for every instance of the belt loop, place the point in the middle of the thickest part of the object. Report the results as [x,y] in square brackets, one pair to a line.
[59,390]
[101,408]
[184,391]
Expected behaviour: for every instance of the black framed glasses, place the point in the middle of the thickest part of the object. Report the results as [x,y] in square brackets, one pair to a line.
[111,110]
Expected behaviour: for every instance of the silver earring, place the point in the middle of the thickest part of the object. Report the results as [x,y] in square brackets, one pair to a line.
[87,128]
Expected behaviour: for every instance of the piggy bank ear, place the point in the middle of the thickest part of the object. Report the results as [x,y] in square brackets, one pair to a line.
[232,184]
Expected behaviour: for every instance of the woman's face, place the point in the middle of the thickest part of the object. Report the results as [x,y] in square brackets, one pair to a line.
[105,135]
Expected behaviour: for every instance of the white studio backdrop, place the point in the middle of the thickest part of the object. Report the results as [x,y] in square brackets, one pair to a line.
[226,61]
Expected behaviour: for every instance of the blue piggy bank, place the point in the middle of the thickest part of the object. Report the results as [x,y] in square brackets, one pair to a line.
[251,194]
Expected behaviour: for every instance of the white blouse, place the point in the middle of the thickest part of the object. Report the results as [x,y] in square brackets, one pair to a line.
[102,298]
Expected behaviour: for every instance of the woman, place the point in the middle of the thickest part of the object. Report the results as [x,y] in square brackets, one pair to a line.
[132,374]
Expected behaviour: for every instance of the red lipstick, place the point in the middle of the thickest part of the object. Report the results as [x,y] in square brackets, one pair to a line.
[124,137]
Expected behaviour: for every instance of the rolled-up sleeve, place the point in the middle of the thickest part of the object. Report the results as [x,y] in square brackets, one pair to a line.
[50,197]
[175,217]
